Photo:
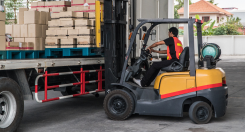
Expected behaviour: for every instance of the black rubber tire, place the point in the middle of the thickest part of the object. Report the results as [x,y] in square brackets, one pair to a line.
[196,107]
[7,84]
[128,101]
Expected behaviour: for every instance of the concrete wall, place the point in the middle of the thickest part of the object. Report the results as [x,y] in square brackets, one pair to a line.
[229,44]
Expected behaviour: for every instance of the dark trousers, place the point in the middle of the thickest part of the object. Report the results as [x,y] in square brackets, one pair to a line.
[152,73]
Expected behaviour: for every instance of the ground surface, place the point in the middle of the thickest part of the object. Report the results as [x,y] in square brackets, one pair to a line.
[85,114]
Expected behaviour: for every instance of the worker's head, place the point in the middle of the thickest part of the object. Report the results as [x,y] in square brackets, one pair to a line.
[173,32]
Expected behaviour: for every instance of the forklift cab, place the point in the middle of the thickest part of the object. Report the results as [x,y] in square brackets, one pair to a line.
[200,91]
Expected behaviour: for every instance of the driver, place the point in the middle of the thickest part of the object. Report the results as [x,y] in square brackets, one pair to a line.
[174,49]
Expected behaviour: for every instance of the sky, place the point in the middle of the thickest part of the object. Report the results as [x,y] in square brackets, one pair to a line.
[240,4]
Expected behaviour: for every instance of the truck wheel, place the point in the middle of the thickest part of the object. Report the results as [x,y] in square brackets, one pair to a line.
[118,105]
[200,112]
[11,105]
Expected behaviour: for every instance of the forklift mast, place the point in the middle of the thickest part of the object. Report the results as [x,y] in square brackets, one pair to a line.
[114,40]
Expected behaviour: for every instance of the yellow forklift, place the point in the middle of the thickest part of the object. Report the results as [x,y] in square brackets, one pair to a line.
[184,86]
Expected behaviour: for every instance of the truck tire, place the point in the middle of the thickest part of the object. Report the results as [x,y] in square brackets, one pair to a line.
[11,105]
[118,105]
[200,112]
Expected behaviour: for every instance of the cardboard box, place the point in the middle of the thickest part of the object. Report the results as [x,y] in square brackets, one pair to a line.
[43,9]
[2,43]
[49,4]
[35,41]
[54,23]
[2,16]
[89,8]
[68,28]
[42,43]
[16,31]
[86,32]
[2,27]
[63,3]
[86,40]
[27,46]
[52,43]
[62,37]
[41,4]
[76,8]
[31,17]
[42,18]
[51,33]
[58,9]
[34,31]
[68,14]
[62,32]
[73,2]
[73,32]
[83,22]
[33,9]
[24,31]
[91,15]
[67,23]
[12,46]
[19,39]
[34,4]
[20,19]
[68,41]
[48,17]
[9,29]
[55,15]
[44,28]
[81,15]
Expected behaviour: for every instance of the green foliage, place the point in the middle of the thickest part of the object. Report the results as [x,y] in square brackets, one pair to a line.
[208,31]
[12,6]
[230,27]
[181,32]
[178,6]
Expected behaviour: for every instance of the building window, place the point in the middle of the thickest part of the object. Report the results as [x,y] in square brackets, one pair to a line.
[217,19]
[205,18]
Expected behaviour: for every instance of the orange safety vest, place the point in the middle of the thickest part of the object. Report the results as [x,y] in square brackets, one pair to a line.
[178,49]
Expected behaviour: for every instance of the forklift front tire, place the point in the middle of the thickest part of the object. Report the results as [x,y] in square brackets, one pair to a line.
[200,112]
[119,105]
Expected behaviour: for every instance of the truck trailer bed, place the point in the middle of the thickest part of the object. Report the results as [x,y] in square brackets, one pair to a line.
[44,63]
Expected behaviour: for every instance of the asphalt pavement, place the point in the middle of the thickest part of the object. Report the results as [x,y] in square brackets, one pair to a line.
[86,114]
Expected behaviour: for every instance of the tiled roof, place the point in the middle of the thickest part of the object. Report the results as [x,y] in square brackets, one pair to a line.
[203,6]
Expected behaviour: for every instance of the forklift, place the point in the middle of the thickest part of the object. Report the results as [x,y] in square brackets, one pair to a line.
[182,87]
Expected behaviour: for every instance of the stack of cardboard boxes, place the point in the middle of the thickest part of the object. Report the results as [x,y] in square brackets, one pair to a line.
[2,31]
[31,28]
[70,30]
[52,6]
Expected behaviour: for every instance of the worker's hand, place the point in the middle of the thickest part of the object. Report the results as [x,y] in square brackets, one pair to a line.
[150,49]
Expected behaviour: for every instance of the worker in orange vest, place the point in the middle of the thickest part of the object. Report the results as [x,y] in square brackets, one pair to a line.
[174,49]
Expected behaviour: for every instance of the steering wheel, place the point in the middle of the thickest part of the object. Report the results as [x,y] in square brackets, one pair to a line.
[148,53]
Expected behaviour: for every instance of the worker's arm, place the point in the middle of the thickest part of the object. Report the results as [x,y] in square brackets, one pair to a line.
[155,45]
[160,52]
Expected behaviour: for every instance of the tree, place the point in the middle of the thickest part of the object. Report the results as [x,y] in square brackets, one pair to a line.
[12,6]
[230,27]
[178,6]
[208,31]
[212,2]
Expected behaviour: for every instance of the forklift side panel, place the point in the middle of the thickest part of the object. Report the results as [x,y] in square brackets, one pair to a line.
[208,77]
[218,97]
[172,106]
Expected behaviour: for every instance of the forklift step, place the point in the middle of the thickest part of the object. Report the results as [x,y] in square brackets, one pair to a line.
[21,54]
[70,52]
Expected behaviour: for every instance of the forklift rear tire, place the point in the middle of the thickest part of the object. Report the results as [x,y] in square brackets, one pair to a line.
[119,105]
[11,105]
[200,112]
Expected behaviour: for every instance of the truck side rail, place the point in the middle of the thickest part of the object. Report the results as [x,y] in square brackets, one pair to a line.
[81,83]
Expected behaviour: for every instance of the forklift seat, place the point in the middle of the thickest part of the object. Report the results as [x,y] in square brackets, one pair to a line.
[181,65]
